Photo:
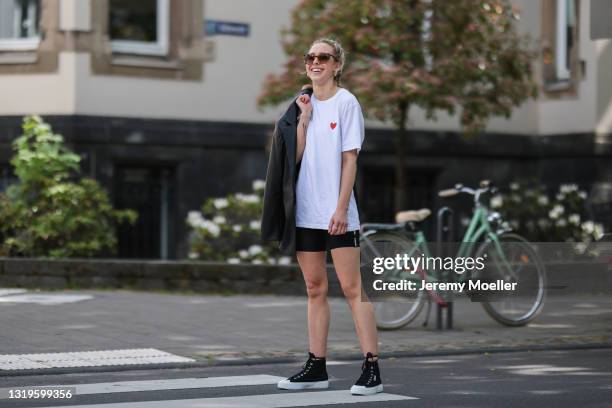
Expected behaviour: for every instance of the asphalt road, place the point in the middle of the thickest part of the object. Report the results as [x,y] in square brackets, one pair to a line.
[219,328]
[568,378]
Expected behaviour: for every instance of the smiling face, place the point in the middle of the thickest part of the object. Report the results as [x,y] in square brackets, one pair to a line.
[321,72]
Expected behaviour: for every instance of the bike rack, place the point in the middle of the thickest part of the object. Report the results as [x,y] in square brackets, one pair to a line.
[444,233]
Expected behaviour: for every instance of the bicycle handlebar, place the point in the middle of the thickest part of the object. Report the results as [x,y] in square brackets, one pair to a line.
[449,192]
[485,187]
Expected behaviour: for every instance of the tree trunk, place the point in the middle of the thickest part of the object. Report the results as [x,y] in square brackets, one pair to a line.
[400,153]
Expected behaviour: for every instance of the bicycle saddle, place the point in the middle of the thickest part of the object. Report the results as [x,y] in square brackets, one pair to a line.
[412,215]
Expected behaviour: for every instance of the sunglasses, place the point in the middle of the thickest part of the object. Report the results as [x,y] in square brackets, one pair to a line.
[323,58]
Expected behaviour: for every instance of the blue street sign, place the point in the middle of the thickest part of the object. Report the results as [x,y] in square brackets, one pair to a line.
[216,27]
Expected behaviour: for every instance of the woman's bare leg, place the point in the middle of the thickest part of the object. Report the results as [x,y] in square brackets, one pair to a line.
[313,268]
[346,263]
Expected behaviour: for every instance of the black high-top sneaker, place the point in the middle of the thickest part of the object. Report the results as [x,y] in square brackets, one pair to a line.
[313,375]
[370,382]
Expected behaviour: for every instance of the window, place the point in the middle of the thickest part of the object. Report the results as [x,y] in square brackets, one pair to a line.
[19,24]
[139,27]
[560,33]
[566,22]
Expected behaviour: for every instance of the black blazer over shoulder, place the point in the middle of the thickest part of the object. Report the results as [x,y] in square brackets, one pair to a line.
[278,218]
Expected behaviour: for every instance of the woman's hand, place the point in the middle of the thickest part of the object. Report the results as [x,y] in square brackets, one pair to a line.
[338,223]
[303,102]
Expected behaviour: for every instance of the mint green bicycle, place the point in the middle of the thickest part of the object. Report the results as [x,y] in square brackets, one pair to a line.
[509,260]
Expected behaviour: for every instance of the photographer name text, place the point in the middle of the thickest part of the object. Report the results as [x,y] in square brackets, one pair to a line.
[472,285]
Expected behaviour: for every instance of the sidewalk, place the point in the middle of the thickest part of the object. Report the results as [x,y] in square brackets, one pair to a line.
[225,329]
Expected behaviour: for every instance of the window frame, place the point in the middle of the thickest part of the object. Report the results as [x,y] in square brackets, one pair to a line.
[23,44]
[158,48]
[19,44]
[562,68]
[561,49]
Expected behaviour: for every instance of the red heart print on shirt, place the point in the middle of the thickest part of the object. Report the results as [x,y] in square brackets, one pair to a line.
[333,125]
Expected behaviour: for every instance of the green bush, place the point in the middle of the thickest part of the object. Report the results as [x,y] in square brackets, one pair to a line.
[530,211]
[227,229]
[46,214]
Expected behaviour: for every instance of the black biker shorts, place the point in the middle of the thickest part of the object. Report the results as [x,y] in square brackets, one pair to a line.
[316,240]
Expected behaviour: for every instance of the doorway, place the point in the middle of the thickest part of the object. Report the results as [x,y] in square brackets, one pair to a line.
[150,190]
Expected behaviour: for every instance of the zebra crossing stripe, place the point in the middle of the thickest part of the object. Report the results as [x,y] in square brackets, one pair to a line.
[280,400]
[11,291]
[160,385]
[88,359]
[43,298]
[334,363]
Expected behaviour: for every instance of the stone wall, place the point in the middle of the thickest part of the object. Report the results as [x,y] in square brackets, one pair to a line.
[207,277]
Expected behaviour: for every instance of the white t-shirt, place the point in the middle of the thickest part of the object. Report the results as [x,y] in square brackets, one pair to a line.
[336,126]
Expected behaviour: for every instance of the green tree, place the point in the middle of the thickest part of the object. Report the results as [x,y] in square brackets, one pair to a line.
[46,214]
[438,55]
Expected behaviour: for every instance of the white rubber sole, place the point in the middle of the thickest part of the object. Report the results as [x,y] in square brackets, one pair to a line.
[361,390]
[288,385]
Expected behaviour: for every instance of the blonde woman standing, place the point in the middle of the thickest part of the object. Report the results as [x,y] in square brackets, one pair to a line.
[330,132]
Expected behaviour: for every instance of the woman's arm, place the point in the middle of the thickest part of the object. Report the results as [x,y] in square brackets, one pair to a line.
[339,222]
[301,135]
[303,102]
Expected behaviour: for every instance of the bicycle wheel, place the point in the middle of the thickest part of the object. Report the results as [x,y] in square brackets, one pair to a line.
[392,309]
[519,263]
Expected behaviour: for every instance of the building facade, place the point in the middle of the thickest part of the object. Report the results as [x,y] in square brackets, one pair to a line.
[158,97]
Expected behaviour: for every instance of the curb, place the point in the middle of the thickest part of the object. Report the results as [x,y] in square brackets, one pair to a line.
[285,360]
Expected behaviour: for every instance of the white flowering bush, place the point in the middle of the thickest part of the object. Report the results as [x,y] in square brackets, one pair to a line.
[531,212]
[227,229]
